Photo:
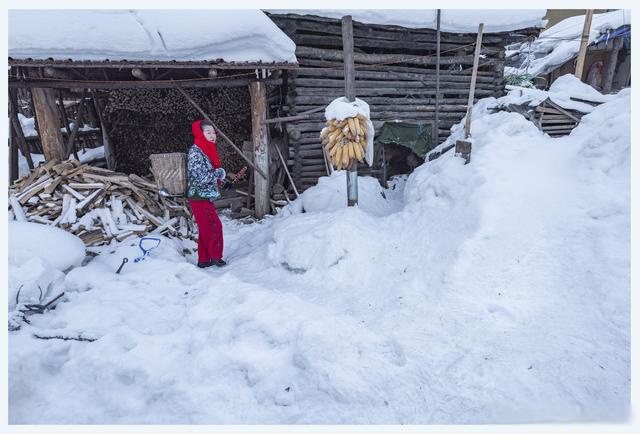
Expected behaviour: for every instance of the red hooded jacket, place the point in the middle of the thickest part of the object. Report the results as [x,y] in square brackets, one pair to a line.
[209,148]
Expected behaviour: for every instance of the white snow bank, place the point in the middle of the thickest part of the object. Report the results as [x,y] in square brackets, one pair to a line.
[451,20]
[494,292]
[37,256]
[181,35]
[561,42]
[329,194]
[55,246]
[562,92]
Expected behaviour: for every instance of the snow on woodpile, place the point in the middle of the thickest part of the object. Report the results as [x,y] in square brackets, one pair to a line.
[561,42]
[181,35]
[459,21]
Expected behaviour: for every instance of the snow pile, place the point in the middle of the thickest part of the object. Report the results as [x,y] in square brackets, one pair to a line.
[561,42]
[28,125]
[180,35]
[565,91]
[493,292]
[38,254]
[451,20]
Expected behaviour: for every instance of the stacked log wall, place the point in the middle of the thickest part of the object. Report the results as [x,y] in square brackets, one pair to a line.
[149,121]
[395,75]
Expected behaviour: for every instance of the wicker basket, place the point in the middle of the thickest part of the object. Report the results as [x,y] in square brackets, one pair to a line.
[170,172]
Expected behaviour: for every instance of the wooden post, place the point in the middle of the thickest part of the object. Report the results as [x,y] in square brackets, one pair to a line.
[108,152]
[584,42]
[72,134]
[14,171]
[44,104]
[260,145]
[463,147]
[437,111]
[612,62]
[17,127]
[350,94]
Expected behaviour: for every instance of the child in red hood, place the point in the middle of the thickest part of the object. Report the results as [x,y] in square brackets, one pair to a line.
[205,177]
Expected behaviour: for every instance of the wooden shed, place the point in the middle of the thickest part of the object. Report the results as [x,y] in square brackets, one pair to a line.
[607,64]
[134,93]
[395,74]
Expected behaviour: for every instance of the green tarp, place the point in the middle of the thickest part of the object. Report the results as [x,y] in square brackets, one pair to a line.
[417,137]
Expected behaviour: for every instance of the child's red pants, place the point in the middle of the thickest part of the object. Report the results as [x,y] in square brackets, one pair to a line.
[210,242]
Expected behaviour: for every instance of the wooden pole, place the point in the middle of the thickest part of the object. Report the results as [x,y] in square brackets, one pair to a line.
[612,62]
[108,152]
[437,111]
[17,127]
[72,134]
[584,43]
[463,147]
[44,104]
[258,91]
[474,75]
[350,94]
[14,171]
[286,169]
[222,134]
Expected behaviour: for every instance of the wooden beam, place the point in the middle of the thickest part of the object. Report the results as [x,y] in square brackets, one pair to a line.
[76,126]
[44,102]
[584,43]
[350,93]
[14,172]
[17,127]
[122,84]
[258,91]
[109,155]
[284,165]
[476,58]
[612,62]
[437,108]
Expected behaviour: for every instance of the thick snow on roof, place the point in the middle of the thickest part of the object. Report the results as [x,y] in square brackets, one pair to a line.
[182,35]
[457,21]
[561,42]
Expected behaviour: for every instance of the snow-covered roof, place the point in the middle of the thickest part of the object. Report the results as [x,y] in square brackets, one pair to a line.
[561,42]
[143,35]
[455,21]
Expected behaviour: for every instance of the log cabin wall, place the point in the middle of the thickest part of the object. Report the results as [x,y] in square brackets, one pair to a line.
[395,75]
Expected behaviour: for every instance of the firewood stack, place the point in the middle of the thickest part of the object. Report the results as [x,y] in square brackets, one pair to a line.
[153,121]
[97,204]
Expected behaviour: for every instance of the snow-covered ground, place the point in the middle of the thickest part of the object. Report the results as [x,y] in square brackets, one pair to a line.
[492,292]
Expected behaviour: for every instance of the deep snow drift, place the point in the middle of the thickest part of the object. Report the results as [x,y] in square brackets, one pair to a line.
[485,293]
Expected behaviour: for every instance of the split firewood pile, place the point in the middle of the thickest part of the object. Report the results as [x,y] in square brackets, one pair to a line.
[96,204]
[155,121]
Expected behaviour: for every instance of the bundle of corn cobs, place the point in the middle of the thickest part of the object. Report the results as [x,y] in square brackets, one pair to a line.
[345,140]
